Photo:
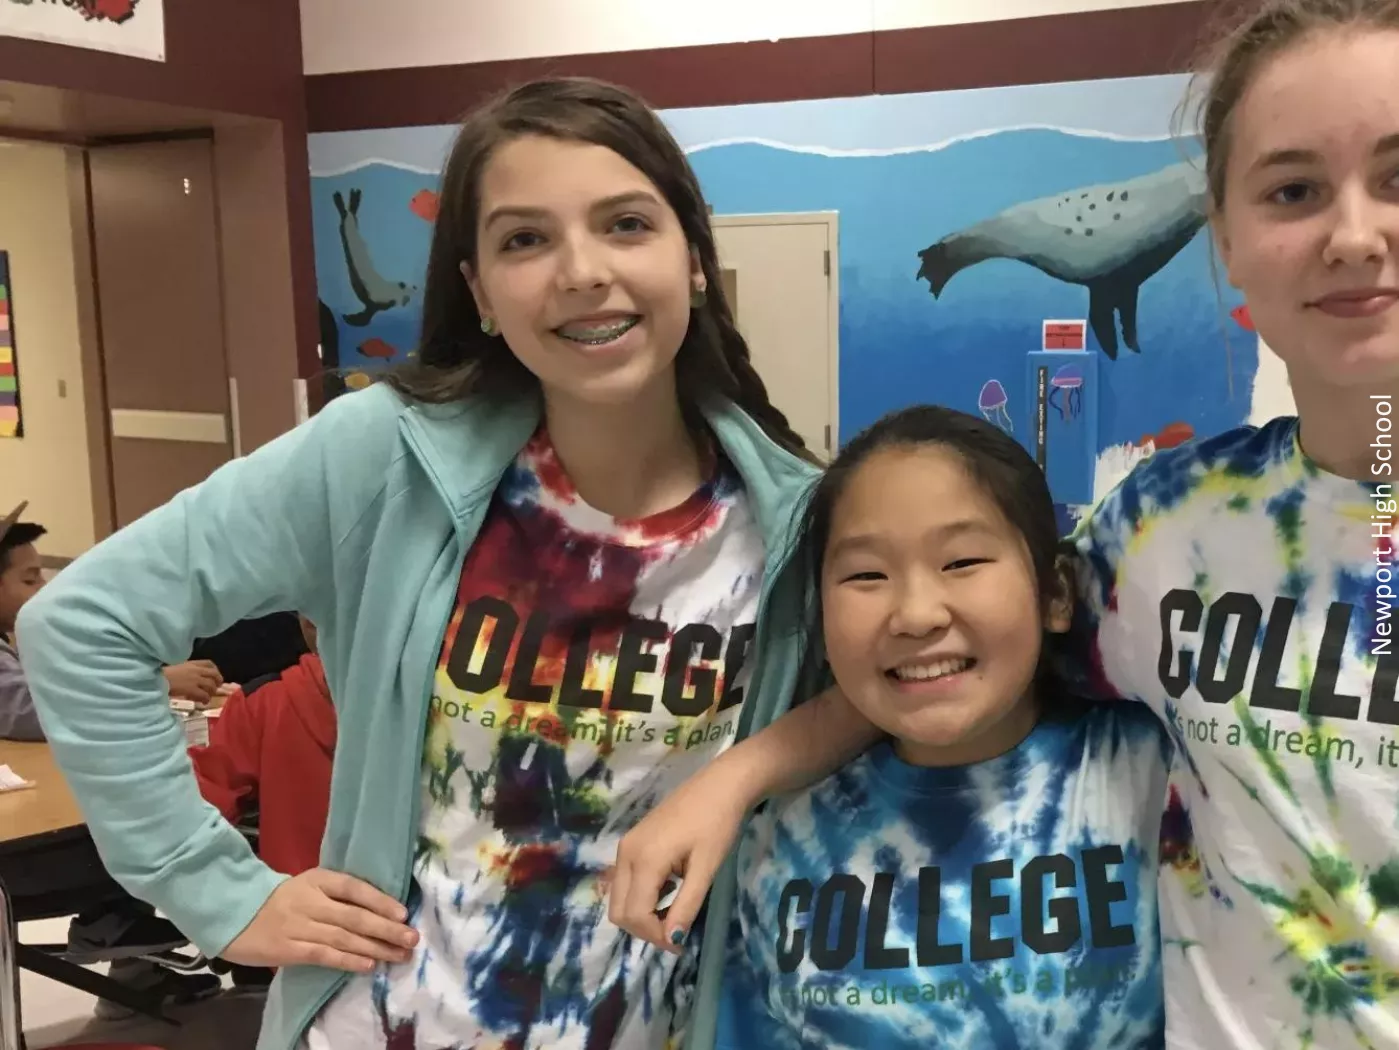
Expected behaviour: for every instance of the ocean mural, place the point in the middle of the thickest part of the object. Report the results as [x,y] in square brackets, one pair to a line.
[967,219]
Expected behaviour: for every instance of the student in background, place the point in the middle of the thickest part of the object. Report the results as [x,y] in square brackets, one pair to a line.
[135,926]
[22,577]
[270,754]
[254,648]
[270,751]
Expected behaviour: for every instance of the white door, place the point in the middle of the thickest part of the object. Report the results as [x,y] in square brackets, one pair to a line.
[780,271]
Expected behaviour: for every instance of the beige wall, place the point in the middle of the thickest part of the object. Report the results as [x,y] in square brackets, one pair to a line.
[49,465]
[339,36]
[1272,392]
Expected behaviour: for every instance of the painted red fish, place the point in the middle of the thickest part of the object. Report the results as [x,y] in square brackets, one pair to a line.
[1169,436]
[1243,317]
[1173,434]
[425,205]
[107,10]
[376,347]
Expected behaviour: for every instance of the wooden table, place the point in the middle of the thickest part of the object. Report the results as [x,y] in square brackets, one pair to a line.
[51,868]
[46,809]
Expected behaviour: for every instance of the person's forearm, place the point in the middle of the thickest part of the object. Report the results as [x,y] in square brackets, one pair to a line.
[808,743]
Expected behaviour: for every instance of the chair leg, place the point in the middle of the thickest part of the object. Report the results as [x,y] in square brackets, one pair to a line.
[173,960]
[84,980]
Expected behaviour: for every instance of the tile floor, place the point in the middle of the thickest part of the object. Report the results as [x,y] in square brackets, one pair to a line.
[56,1015]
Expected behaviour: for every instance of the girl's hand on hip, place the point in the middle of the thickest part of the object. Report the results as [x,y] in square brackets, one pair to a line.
[325,918]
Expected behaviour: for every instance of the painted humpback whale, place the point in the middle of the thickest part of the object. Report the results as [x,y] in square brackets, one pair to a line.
[375,292]
[1109,238]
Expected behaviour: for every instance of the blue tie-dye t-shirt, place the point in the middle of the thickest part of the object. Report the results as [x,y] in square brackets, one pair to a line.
[1005,905]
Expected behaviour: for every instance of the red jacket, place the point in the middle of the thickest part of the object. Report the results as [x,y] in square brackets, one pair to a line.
[273,750]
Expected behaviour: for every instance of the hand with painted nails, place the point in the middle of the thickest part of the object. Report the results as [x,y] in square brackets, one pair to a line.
[667,863]
[688,836]
[325,918]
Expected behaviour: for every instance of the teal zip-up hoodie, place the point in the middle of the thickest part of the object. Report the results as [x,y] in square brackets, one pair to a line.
[360,519]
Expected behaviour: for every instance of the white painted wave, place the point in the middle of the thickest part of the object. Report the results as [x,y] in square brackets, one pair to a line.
[789,147]
[372,162]
[935,147]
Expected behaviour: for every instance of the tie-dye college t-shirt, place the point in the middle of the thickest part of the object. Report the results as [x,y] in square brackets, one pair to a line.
[1006,905]
[1233,587]
[590,667]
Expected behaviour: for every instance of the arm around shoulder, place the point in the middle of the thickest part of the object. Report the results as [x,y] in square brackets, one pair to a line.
[693,830]
[258,536]
[808,743]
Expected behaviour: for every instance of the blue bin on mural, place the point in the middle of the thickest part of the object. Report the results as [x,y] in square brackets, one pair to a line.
[1062,415]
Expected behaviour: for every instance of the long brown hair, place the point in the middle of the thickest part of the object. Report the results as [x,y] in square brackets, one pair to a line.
[1247,36]
[456,360]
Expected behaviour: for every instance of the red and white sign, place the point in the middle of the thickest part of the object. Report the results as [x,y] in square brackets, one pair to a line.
[1065,335]
[124,27]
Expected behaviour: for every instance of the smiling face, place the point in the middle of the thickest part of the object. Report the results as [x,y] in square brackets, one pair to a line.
[931,612]
[1309,228]
[584,268]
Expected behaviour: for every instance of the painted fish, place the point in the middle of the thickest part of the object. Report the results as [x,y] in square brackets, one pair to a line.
[1169,436]
[376,347]
[1245,319]
[425,205]
[1173,434]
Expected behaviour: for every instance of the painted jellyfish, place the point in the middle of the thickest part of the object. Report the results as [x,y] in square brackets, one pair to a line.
[992,403]
[1067,384]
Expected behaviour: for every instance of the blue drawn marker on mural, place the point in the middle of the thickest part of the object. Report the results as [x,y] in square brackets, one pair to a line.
[1066,391]
[1064,441]
[1041,418]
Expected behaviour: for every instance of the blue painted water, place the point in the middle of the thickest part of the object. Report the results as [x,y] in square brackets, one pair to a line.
[899,345]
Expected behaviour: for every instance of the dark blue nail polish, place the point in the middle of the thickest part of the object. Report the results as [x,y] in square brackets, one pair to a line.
[677,937]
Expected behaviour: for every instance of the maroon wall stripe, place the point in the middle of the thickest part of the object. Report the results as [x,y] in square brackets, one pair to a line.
[1087,45]
[1125,42]
[668,78]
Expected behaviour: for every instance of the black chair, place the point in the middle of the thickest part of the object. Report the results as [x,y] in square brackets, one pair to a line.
[11,1018]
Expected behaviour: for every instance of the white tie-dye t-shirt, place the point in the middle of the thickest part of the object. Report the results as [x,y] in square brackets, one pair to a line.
[591,666]
[1235,587]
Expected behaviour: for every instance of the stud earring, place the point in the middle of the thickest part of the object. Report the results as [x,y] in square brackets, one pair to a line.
[698,298]
[488,326]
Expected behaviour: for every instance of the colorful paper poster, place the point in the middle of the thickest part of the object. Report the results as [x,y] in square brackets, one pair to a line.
[11,422]
[124,27]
